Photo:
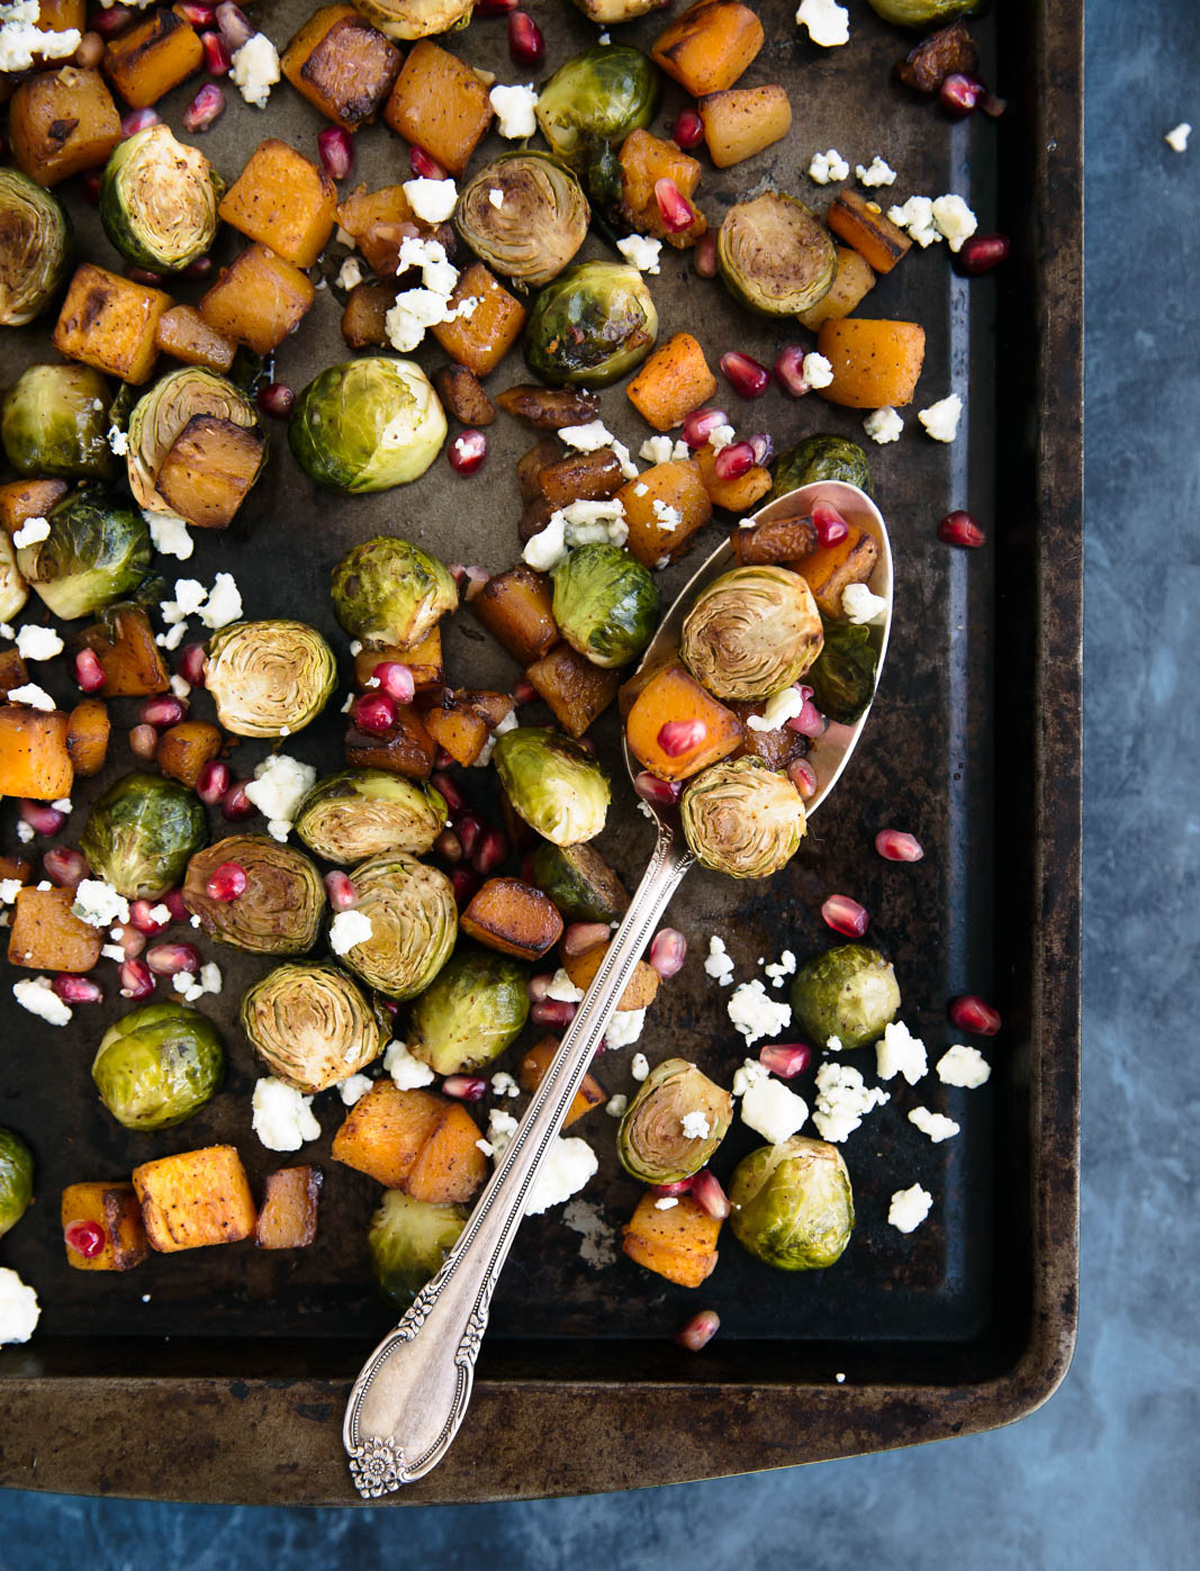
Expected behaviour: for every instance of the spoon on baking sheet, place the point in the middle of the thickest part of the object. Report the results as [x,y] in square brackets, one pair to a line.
[412,1393]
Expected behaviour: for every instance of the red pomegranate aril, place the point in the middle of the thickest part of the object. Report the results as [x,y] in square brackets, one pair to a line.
[341,891]
[734,461]
[85,1238]
[227,882]
[688,131]
[396,680]
[468,580]
[763,445]
[652,788]
[66,867]
[130,942]
[524,693]
[678,1186]
[676,211]
[423,164]
[448,790]
[163,711]
[668,952]
[192,662]
[704,255]
[700,425]
[173,900]
[525,41]
[709,1196]
[491,853]
[678,737]
[173,959]
[970,1013]
[336,149]
[144,275]
[89,673]
[217,58]
[831,527]
[375,712]
[803,776]
[89,187]
[235,804]
[77,989]
[109,22]
[465,883]
[136,979]
[469,827]
[448,846]
[465,1088]
[235,28]
[959,94]
[138,120]
[41,817]
[494,7]
[552,1012]
[845,915]
[198,270]
[745,374]
[959,528]
[699,1331]
[207,106]
[215,779]
[467,451]
[810,721]
[894,845]
[786,1059]
[143,742]
[140,917]
[981,253]
[538,986]
[789,370]
[197,15]
[275,400]
[582,936]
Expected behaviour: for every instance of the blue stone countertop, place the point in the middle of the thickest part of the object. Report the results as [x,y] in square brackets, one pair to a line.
[1107,1474]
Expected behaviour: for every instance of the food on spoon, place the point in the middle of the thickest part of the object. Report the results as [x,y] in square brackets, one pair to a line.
[792,1204]
[533,231]
[849,993]
[580,882]
[284,201]
[708,46]
[140,834]
[102,1227]
[843,677]
[438,103]
[362,812]
[481,339]
[821,456]
[34,761]
[751,633]
[195,1199]
[774,541]
[279,907]
[600,95]
[875,364]
[312,1025]
[129,659]
[473,1009]
[774,256]
[158,200]
[109,322]
[675,380]
[852,282]
[673,1127]
[258,300]
[830,570]
[860,223]
[36,250]
[269,678]
[158,1065]
[168,416]
[591,325]
[97,552]
[605,604]
[367,425]
[46,936]
[739,122]
[532,1071]
[408,1241]
[344,67]
[741,818]
[54,422]
[678,1242]
[148,59]
[413,1140]
[16,1179]
[413,920]
[512,917]
[554,784]
[287,1218]
[677,729]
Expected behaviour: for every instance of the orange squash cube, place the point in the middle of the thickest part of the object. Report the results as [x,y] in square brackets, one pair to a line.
[863,225]
[576,690]
[517,608]
[110,322]
[88,728]
[532,1072]
[183,334]
[875,363]
[463,734]
[150,58]
[439,104]
[709,45]
[384,1133]
[646,159]
[132,663]
[738,495]
[480,341]
[675,380]
[258,300]
[680,1244]
[22,499]
[372,219]
[513,918]
[115,1209]
[34,760]
[45,936]
[195,1199]
[673,694]
[450,1166]
[424,660]
[344,67]
[684,507]
[284,200]
[830,569]
[61,123]
[288,1219]
[640,990]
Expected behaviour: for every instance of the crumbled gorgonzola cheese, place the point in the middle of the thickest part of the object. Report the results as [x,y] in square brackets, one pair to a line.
[19,1308]
[432,201]
[817,370]
[255,71]
[877,172]
[778,709]
[827,22]
[31,531]
[785,966]
[279,786]
[909,1208]
[32,695]
[224,603]
[353,1088]
[772,1111]
[98,904]
[843,1101]
[563,989]
[347,929]
[883,425]
[1177,137]
[941,419]
[656,449]
[916,216]
[36,994]
[755,1014]
[587,438]
[963,1066]
[641,251]
[695,1125]
[514,108]
[625,1027]
[861,607]
[169,534]
[954,220]
[350,273]
[898,1052]
[828,167]
[719,964]
[38,643]
[282,1116]
[936,1125]
[408,1072]
[639,1066]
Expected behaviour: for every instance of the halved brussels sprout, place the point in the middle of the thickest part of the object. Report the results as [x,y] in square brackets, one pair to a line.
[774,256]
[97,552]
[537,227]
[390,594]
[655,1139]
[475,1006]
[35,248]
[819,457]
[843,676]
[54,423]
[415,18]
[160,415]
[921,13]
[158,200]
[14,591]
[280,910]
[367,425]
[140,834]
[579,881]
[269,678]
[741,818]
[751,633]
[312,1026]
[158,1065]
[362,812]
[604,93]
[605,604]
[16,1179]
[591,325]
[792,1204]
[555,785]
[849,992]
[414,921]
[408,1243]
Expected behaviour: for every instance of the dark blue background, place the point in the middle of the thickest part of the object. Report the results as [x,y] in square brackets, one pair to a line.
[1108,1474]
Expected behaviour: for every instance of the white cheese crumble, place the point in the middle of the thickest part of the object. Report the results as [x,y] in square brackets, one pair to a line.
[21,39]
[587,438]
[7,630]
[721,436]
[695,1125]
[861,607]
[31,531]
[616,1106]
[963,1066]
[568,1165]
[585,523]
[509,723]
[432,201]
[38,643]
[667,517]
[883,425]
[19,1308]
[785,966]
[755,1013]
[625,1028]
[916,216]
[817,370]
[180,686]
[641,251]
[843,1101]
[347,929]
[36,995]
[118,441]
[283,1118]
[31,694]
[877,172]
[514,106]
[503,1084]
[548,547]
[169,534]
[941,419]
[628,468]
[408,1072]
[279,786]
[656,449]
[24,830]
[350,273]
[353,1088]
[563,989]
[777,710]
[1177,138]
[829,167]
[224,602]
[833,1044]
[772,1111]
[936,1125]
[10,888]
[639,1066]
[666,1203]
[719,964]
[255,72]
[98,904]
[827,22]
[909,1208]
[898,1052]
[496,197]
[954,220]
[598,1245]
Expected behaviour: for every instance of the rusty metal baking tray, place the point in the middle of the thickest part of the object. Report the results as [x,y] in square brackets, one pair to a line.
[222,1376]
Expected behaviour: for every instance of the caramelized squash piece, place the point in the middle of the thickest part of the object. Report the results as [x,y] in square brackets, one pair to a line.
[550,408]
[24,499]
[741,121]
[463,396]
[364,320]
[646,159]
[46,937]
[576,690]
[373,219]
[450,1166]
[34,761]
[385,1131]
[664,508]
[344,67]
[513,917]
[462,733]
[183,334]
[775,542]
[581,477]
[184,750]
[88,728]
[736,496]
[874,363]
[708,46]
[115,1209]
[407,749]
[14,867]
[777,748]
[640,990]
[195,1199]
[480,341]
[675,695]
[675,380]
[150,58]
[424,660]
[210,467]
[123,642]
[283,200]
[517,608]
[852,282]
[532,1071]
[111,323]
[439,104]
[288,1218]
[62,123]
[829,569]
[13,670]
[680,1244]
[258,300]
[863,225]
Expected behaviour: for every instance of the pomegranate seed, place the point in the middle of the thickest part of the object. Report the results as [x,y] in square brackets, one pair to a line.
[688,131]
[491,853]
[668,952]
[375,713]
[235,804]
[538,986]
[959,94]
[111,21]
[786,1059]
[789,370]
[143,742]
[582,936]
[970,1013]
[129,940]
[469,827]
[652,788]
[527,868]
[524,693]
[162,712]
[810,721]
[85,1238]
[745,374]
[845,915]
[699,1331]
[448,790]
[77,989]
[704,257]
[139,916]
[173,900]
[90,51]
[981,253]
[173,959]
[227,882]
[66,867]
[423,164]
[959,528]
[896,846]
[494,7]
[709,1196]
[467,1088]
[215,779]
[803,776]
[396,680]
[89,673]
[144,275]
[336,148]
[89,187]
[552,1012]
[764,448]
[342,894]
[734,461]
[235,29]
[466,884]
[41,817]
[678,737]
[525,41]
[192,663]
[207,105]
[217,59]
[197,15]
[276,400]
[470,580]
[448,846]
[700,425]
[831,527]
[676,211]
[136,980]
[138,120]
[200,269]
[678,1186]
[467,451]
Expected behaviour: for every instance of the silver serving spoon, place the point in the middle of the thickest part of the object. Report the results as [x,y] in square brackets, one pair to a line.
[412,1393]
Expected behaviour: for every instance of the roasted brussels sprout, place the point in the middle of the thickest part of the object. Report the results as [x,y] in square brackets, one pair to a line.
[414,921]
[362,812]
[312,1026]
[580,883]
[159,417]
[158,1065]
[390,594]
[475,1006]
[751,633]
[608,12]
[605,604]
[97,552]
[538,226]
[774,256]
[54,423]
[604,93]
[591,325]
[16,1179]
[819,457]
[280,910]
[555,785]
[674,1124]
[367,425]
[140,834]
[922,13]
[792,1204]
[35,248]
[14,591]
[741,818]
[408,1243]
[158,200]
[849,992]
[415,18]
[844,674]
[269,678]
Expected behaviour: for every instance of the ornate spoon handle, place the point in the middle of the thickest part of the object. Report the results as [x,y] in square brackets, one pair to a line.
[412,1393]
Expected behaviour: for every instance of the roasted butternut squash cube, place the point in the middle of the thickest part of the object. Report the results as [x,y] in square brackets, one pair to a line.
[774,542]
[209,469]
[450,1166]
[516,607]
[110,322]
[875,363]
[24,499]
[283,200]
[830,569]
[61,123]
[424,660]
[407,749]
[150,58]
[513,917]
[532,1072]
[258,300]
[373,220]
[646,159]
[195,1199]
[364,321]
[741,121]
[462,733]
[344,67]
[863,225]
[670,695]
[385,1131]
[114,1208]
[777,748]
[738,495]
[45,936]
[123,642]
[34,761]
[288,1218]
[675,380]
[439,104]
[183,334]
[462,395]
[576,690]
[15,867]
[88,728]
[13,670]
[185,749]
[640,990]
[480,341]
[664,508]
[708,46]
[680,1244]
[852,282]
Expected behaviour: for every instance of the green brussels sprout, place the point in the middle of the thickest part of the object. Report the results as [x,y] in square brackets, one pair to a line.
[14,591]
[537,228]
[312,1025]
[158,200]
[475,1006]
[922,13]
[269,678]
[655,1138]
[390,594]
[408,1242]
[159,417]
[367,425]
[849,992]
[844,674]
[580,883]
[97,553]
[140,834]
[601,95]
[819,457]
[158,1065]
[414,922]
[415,18]
[605,604]
[774,256]
[54,423]
[555,785]
[35,248]
[741,818]
[362,812]
[591,325]
[16,1179]
[280,910]
[793,1207]
[751,633]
